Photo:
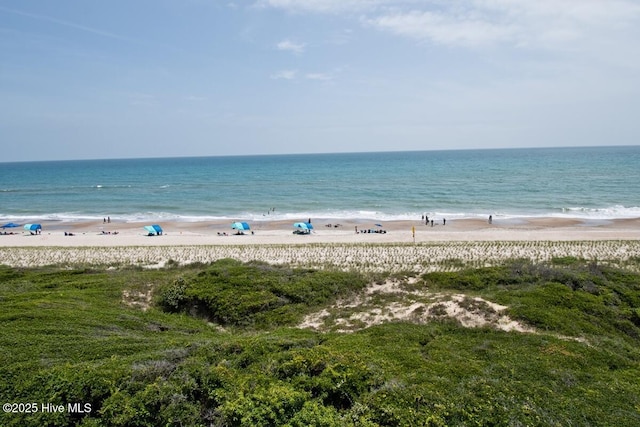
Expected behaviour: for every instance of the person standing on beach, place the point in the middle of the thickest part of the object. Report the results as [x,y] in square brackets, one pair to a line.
[426,220]
[444,221]
[490,219]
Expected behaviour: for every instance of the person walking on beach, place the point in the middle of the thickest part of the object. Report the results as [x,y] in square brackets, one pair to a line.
[444,221]
[490,219]
[426,221]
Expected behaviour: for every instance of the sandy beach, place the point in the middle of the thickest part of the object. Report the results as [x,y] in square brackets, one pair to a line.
[119,233]
[333,242]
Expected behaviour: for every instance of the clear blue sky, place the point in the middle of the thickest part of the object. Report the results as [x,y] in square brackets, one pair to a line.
[146,78]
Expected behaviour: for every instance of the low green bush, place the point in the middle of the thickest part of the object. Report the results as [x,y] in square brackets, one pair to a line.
[73,337]
[231,293]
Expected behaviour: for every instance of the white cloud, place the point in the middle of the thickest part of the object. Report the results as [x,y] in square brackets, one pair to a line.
[318,76]
[325,6]
[444,29]
[284,75]
[290,46]
[549,24]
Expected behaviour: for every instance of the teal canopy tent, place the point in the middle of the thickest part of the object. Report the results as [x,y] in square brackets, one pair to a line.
[302,227]
[240,226]
[153,230]
[33,227]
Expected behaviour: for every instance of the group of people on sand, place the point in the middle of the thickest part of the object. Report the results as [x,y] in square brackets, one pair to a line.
[426,220]
[370,231]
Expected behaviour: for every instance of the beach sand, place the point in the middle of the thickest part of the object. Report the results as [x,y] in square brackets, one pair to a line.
[333,242]
[340,231]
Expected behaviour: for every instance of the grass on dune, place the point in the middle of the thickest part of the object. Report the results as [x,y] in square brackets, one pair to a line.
[217,345]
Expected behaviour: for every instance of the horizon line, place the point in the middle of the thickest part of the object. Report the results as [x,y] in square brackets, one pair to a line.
[321,153]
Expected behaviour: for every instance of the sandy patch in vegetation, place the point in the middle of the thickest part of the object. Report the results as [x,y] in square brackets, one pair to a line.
[140,299]
[391,302]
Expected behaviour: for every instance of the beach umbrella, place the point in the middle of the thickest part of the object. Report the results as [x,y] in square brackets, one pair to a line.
[240,226]
[11,225]
[32,227]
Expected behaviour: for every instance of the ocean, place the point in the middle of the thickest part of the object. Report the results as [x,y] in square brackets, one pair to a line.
[588,182]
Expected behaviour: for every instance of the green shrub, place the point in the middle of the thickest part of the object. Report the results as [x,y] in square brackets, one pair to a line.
[256,294]
[173,298]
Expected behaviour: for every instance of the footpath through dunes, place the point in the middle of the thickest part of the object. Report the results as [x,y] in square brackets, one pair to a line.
[365,257]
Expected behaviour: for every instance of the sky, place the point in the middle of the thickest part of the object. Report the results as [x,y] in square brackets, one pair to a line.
[161,78]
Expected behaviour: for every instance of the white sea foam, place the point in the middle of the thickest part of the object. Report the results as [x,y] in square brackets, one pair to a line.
[608,213]
[617,211]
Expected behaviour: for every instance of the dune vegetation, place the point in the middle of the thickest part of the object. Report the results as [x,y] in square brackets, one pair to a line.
[367,257]
[234,343]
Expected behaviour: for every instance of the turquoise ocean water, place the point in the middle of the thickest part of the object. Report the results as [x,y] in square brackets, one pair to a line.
[593,183]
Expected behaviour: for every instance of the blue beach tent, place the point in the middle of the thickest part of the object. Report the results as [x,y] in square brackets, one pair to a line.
[33,228]
[302,227]
[240,226]
[11,225]
[153,230]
